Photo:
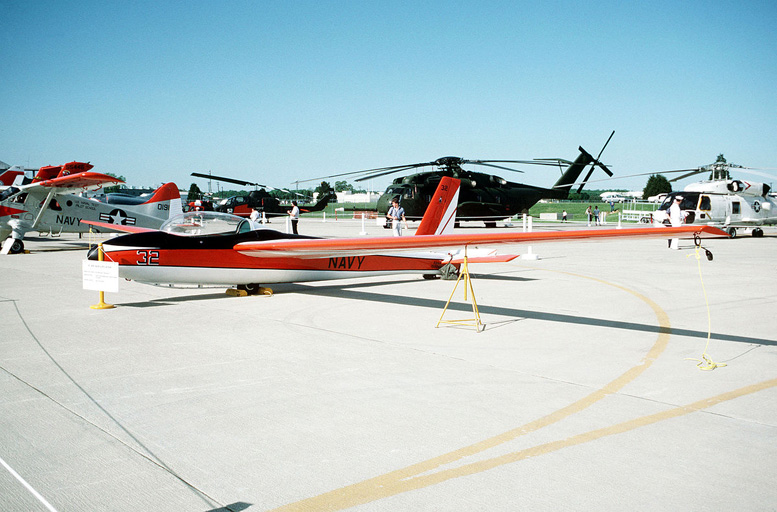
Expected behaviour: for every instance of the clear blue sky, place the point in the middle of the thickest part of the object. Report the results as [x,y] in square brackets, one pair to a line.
[279,91]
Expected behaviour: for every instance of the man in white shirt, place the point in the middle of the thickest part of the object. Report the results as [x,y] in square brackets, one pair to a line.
[254,217]
[676,218]
[397,215]
[294,213]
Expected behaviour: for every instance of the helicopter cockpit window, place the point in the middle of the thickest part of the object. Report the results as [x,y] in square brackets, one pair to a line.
[668,200]
[689,201]
[705,203]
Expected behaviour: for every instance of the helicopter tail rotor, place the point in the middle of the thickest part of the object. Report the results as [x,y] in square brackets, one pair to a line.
[596,163]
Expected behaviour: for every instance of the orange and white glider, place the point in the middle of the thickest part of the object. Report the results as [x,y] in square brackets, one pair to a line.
[209,248]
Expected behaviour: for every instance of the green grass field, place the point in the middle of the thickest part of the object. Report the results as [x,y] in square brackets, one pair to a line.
[575,209]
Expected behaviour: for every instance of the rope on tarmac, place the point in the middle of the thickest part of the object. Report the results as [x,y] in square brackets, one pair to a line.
[705,363]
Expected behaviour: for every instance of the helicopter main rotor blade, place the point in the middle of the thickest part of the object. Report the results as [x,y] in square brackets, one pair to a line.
[228,180]
[494,166]
[687,175]
[627,176]
[377,175]
[395,168]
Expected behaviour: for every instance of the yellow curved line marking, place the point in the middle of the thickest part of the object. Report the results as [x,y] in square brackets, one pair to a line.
[407,479]
[390,484]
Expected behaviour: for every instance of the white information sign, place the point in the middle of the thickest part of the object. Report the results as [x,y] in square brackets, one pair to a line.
[102,276]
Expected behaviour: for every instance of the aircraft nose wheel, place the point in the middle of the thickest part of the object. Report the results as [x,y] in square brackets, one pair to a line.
[17,246]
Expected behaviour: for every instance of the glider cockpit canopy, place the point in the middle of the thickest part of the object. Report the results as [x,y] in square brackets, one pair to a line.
[198,223]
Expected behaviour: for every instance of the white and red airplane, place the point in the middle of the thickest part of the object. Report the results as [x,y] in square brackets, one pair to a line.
[210,248]
[50,204]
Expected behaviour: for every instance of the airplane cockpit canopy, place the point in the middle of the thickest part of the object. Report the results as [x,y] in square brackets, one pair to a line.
[198,223]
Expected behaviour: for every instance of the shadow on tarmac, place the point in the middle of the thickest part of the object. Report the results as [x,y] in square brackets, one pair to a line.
[351,291]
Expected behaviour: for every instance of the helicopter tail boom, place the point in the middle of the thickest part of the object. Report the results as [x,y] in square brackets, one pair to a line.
[565,182]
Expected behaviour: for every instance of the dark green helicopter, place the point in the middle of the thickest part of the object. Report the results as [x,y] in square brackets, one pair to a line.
[482,196]
[260,200]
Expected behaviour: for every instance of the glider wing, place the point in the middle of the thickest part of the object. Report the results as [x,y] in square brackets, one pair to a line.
[322,247]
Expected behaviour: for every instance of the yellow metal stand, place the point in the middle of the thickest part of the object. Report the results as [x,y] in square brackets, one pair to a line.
[102,304]
[475,322]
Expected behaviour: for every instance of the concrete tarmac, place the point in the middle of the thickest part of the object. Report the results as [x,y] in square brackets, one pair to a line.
[582,392]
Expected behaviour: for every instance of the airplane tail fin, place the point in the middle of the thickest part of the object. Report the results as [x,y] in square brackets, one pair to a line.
[165,202]
[12,176]
[440,215]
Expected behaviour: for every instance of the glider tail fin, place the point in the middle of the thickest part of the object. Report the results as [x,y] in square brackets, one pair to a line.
[440,215]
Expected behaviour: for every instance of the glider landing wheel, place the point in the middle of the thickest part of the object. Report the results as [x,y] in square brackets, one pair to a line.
[254,289]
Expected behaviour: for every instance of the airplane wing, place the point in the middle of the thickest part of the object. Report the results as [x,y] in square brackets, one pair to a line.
[323,247]
[73,183]
[117,227]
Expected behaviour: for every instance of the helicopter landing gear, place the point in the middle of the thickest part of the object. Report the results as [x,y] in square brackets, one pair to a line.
[758,232]
[732,232]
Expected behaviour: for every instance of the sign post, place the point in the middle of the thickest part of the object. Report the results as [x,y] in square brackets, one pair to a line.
[101,275]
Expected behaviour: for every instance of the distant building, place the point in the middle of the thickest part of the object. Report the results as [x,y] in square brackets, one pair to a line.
[347,197]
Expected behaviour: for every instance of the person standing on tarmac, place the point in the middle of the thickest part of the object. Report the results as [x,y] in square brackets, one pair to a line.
[294,214]
[397,215]
[676,218]
[254,217]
